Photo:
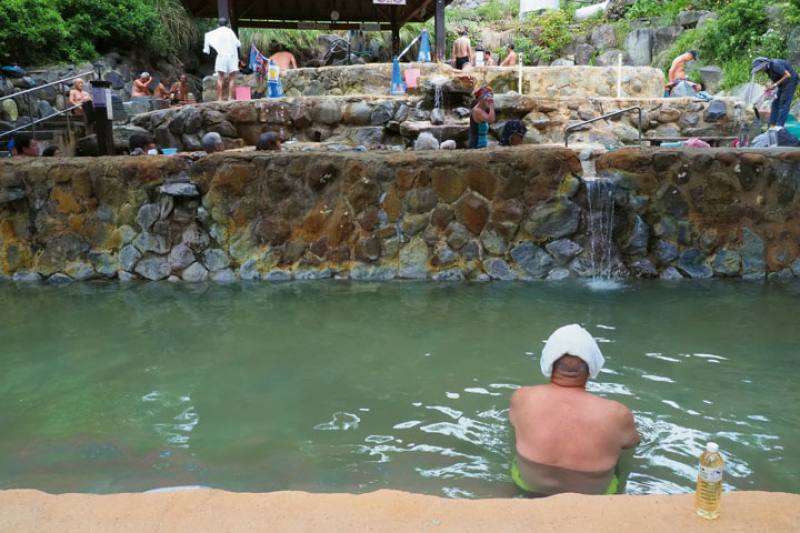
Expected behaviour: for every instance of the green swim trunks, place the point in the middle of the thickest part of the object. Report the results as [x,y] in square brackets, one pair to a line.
[613,486]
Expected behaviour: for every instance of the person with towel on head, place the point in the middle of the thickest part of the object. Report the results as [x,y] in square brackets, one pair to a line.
[784,78]
[567,439]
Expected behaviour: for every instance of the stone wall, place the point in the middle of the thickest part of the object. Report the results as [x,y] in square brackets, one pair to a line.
[375,122]
[514,213]
[375,79]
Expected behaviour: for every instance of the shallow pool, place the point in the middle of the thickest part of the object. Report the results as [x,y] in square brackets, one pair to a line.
[339,386]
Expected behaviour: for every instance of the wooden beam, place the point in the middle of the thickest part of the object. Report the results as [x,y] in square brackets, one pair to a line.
[439,26]
[419,12]
[292,24]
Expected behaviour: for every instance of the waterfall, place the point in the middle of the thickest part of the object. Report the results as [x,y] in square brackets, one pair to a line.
[600,194]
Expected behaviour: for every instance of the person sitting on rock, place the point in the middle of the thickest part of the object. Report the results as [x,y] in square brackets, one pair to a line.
[284,59]
[567,439]
[513,133]
[269,141]
[212,142]
[511,58]
[488,60]
[161,92]
[784,78]
[462,51]
[140,144]
[179,92]
[677,72]
[141,87]
[77,96]
[481,116]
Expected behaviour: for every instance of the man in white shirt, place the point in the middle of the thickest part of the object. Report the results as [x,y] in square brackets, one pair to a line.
[227,45]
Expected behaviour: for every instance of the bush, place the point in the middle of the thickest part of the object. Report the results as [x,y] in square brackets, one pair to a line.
[29,29]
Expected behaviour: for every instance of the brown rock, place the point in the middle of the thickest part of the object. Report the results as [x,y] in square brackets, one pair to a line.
[482,181]
[319,247]
[368,250]
[472,210]
[271,230]
[392,204]
[368,220]
[294,250]
[363,193]
[442,216]
[448,185]
[420,200]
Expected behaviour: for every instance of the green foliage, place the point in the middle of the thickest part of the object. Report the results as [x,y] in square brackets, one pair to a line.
[495,10]
[657,8]
[36,31]
[540,39]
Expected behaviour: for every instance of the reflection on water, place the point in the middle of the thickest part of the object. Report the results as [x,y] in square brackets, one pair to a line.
[356,387]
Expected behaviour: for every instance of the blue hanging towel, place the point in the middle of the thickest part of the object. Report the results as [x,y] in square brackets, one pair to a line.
[253,59]
[424,55]
[398,85]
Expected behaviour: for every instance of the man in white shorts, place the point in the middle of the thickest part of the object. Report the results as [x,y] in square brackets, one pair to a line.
[227,45]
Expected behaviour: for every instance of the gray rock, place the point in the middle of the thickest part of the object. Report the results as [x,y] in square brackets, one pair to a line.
[180,257]
[444,255]
[533,260]
[782,276]
[147,242]
[499,269]
[9,111]
[635,244]
[716,110]
[215,259]
[453,274]
[414,260]
[437,117]
[373,273]
[421,200]
[382,113]
[249,271]
[727,263]
[195,238]
[584,53]
[180,188]
[278,275]
[670,274]
[558,274]
[644,268]
[128,257]
[153,268]
[563,250]
[690,18]
[711,76]
[310,275]
[126,233]
[692,263]
[689,120]
[493,243]
[753,263]
[147,216]
[327,112]
[125,277]
[195,273]
[26,277]
[638,45]
[610,58]
[413,224]
[461,112]
[80,271]
[192,119]
[457,235]
[554,219]
[105,264]
[563,62]
[223,276]
[59,278]
[11,195]
[401,115]
[604,37]
[795,267]
[664,37]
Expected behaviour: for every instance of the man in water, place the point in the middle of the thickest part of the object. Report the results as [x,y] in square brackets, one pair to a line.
[141,87]
[784,78]
[227,45]
[462,51]
[511,58]
[285,60]
[567,439]
[677,71]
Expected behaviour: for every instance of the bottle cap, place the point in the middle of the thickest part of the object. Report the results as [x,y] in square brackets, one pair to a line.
[712,447]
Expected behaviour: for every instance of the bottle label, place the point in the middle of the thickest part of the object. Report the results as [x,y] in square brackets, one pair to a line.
[710,474]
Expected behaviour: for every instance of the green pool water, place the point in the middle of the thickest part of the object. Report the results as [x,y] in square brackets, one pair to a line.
[338,386]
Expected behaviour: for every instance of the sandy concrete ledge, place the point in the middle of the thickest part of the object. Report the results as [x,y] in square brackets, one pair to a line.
[386,511]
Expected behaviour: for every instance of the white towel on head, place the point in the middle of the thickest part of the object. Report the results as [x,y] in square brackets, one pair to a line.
[572,340]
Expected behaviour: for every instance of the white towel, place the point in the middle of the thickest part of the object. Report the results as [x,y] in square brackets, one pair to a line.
[572,340]
[223,40]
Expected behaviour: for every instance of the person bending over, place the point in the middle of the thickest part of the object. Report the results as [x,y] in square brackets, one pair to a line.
[784,78]
[677,71]
[481,116]
[142,144]
[25,145]
[462,51]
[227,45]
[567,439]
[513,133]
[269,141]
[284,59]
[212,142]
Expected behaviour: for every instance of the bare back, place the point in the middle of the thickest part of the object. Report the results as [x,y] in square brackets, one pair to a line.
[284,60]
[677,70]
[569,428]
[462,47]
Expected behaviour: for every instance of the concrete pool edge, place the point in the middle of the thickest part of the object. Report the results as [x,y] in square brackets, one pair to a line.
[386,510]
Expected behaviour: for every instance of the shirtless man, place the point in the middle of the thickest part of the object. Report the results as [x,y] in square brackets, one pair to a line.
[285,60]
[567,439]
[511,58]
[179,92]
[677,71]
[77,96]
[141,86]
[462,51]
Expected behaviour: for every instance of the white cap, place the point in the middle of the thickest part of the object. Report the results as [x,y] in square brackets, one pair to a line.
[572,340]
[712,447]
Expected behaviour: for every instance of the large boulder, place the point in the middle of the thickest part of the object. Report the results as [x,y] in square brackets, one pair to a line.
[604,37]
[553,220]
[638,45]
[664,37]
[610,58]
[711,76]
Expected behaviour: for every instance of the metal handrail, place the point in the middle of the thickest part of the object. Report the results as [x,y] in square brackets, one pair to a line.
[40,87]
[33,123]
[570,129]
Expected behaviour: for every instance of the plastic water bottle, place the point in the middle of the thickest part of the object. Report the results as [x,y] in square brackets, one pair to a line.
[709,482]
